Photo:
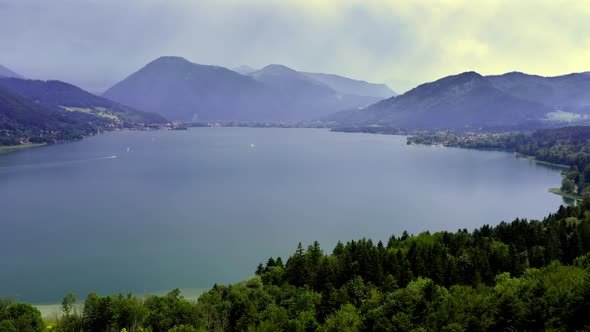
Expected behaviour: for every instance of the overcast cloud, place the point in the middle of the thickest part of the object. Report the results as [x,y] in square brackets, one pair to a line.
[95,43]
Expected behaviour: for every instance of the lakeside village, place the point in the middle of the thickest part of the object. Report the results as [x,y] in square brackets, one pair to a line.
[22,139]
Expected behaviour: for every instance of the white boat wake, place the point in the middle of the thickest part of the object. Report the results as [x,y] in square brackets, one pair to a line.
[57,164]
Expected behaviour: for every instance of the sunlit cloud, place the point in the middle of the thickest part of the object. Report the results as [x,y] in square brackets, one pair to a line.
[402,43]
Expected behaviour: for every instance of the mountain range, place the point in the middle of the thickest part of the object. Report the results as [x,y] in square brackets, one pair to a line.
[182,90]
[178,89]
[470,100]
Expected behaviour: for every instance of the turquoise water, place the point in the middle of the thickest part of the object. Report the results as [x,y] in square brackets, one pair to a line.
[191,208]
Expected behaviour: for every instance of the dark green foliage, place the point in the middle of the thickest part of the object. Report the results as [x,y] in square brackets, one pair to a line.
[19,317]
[568,185]
[110,313]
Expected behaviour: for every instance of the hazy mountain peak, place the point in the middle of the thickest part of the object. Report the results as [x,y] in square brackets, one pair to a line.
[290,81]
[464,76]
[180,64]
[453,85]
[170,59]
[178,68]
[514,75]
[349,86]
[169,62]
[275,69]
[5,72]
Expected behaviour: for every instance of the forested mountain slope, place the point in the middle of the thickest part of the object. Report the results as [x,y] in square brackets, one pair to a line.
[22,121]
[467,100]
[60,95]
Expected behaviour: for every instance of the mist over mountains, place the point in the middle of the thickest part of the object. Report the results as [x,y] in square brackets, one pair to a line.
[340,84]
[182,90]
[349,86]
[5,72]
[563,93]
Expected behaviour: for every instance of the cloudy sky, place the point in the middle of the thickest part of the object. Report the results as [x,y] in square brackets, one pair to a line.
[94,43]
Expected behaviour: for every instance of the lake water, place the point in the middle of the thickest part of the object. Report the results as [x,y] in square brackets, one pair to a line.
[190,208]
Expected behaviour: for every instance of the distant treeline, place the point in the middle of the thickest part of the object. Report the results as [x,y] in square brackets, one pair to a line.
[523,275]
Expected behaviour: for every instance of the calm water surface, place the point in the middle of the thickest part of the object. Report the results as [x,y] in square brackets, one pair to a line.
[190,208]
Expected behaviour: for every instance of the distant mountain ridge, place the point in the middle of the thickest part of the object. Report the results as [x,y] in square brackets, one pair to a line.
[182,90]
[569,92]
[312,97]
[350,86]
[59,95]
[466,100]
[5,72]
[340,84]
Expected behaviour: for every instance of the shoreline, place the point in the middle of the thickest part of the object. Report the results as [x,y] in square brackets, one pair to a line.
[4,149]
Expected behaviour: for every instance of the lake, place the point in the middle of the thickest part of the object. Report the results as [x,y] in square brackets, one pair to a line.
[150,211]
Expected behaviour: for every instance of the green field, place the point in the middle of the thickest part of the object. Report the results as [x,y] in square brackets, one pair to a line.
[558,191]
[11,148]
[97,111]
[541,161]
